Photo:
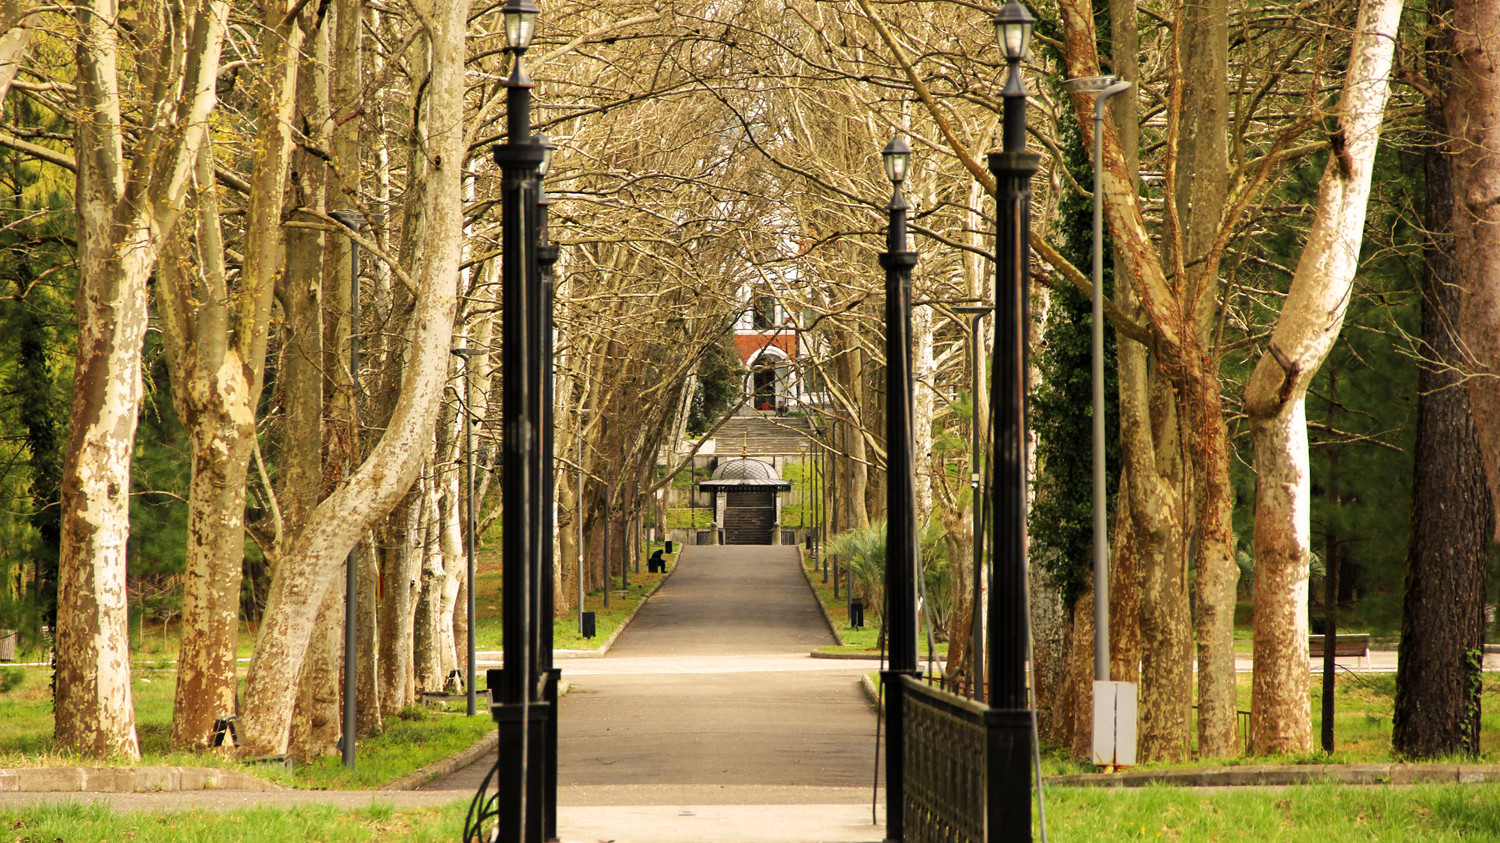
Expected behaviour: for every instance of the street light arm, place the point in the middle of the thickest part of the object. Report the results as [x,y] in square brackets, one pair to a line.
[1099,102]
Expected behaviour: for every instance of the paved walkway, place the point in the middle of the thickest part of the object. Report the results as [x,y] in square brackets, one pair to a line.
[708,720]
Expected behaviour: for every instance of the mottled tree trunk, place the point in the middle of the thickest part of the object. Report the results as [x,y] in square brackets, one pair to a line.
[400,553]
[1275,397]
[1169,301]
[368,711]
[312,558]
[427,661]
[1124,592]
[317,717]
[1442,620]
[221,430]
[126,206]
[1152,499]
[341,192]
[94,712]
[317,720]
[15,35]
[1198,176]
[213,399]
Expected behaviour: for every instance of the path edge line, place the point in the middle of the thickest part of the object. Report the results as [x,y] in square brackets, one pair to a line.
[603,649]
[827,618]
[613,636]
[446,766]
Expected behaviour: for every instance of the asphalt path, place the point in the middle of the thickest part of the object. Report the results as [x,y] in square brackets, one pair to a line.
[711,691]
[709,707]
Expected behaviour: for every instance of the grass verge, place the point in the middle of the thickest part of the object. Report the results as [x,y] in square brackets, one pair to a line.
[414,737]
[1309,814]
[81,821]
[862,640]
[564,630]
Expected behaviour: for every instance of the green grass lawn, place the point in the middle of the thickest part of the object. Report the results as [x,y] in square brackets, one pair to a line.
[1310,814]
[689,517]
[564,630]
[414,737]
[863,640]
[78,821]
[1364,705]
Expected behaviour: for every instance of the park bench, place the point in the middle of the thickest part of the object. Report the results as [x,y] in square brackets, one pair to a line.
[1344,646]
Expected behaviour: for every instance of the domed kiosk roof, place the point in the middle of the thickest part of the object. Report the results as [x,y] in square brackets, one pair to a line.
[745,472]
[745,469]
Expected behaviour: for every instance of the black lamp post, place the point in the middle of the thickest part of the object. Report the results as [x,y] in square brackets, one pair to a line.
[902,553]
[520,158]
[546,254]
[1013,167]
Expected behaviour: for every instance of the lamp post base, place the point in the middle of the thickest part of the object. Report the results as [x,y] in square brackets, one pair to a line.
[523,750]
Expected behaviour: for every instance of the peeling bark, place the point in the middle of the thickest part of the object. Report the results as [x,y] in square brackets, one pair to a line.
[126,206]
[312,558]
[1171,301]
[400,555]
[1275,397]
[15,36]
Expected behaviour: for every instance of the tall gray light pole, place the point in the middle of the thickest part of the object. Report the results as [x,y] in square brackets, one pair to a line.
[578,516]
[976,313]
[468,355]
[1102,88]
[354,220]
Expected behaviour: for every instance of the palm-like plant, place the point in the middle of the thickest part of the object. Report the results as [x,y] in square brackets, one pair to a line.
[863,551]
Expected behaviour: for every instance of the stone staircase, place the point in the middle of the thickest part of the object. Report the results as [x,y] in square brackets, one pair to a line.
[763,434]
[749,518]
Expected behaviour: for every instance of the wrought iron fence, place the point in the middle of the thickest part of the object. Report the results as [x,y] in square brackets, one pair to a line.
[967,775]
[946,756]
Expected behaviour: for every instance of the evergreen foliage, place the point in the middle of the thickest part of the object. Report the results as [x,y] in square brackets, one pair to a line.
[1061,519]
[721,384]
[37,336]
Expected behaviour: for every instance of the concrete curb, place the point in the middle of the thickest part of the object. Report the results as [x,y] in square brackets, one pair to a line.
[802,564]
[874,657]
[609,643]
[447,766]
[453,763]
[872,693]
[127,780]
[1275,775]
